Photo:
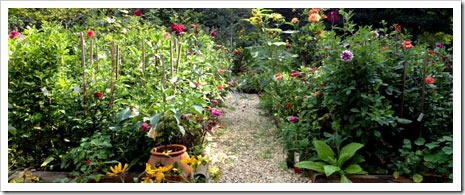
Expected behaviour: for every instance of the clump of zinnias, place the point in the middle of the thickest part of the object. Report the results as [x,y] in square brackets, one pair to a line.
[397,27]
[177,28]
[346,56]
[438,45]
[293,119]
[407,44]
[236,52]
[14,34]
[213,34]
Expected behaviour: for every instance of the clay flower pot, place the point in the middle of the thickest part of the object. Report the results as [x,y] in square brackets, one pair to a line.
[178,152]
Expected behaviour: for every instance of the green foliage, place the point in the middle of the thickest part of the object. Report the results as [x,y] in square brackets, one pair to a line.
[429,159]
[329,163]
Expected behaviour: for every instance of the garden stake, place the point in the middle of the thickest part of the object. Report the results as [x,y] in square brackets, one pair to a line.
[143,62]
[403,90]
[92,57]
[83,64]
[163,78]
[96,58]
[179,57]
[425,61]
[116,61]
[171,57]
[112,74]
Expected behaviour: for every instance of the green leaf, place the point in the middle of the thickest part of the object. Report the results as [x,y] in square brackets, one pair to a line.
[12,130]
[324,152]
[420,141]
[154,120]
[10,106]
[417,178]
[354,169]
[403,121]
[182,130]
[330,169]
[395,175]
[198,109]
[432,145]
[48,160]
[177,115]
[344,179]
[124,114]
[447,150]
[316,166]
[354,110]
[347,152]
[377,133]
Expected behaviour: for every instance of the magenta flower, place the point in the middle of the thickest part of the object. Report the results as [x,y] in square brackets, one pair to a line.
[216,112]
[293,119]
[346,56]
[177,28]
[438,45]
[144,127]
[215,101]
[14,34]
[332,17]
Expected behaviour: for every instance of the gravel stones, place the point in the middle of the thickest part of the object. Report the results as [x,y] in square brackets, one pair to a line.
[248,150]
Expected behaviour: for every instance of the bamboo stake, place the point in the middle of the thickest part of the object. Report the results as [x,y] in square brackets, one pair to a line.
[178,58]
[163,78]
[92,57]
[116,61]
[112,74]
[403,89]
[143,62]
[171,57]
[96,58]
[83,64]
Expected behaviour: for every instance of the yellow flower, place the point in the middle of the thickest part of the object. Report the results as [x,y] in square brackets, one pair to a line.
[117,170]
[149,170]
[189,161]
[159,176]
[314,18]
[166,153]
[275,16]
[165,168]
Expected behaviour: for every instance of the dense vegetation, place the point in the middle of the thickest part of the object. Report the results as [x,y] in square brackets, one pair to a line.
[98,86]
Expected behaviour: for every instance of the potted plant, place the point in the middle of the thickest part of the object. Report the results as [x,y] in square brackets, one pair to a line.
[166,125]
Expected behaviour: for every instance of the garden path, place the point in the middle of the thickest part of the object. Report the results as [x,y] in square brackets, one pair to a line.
[247,150]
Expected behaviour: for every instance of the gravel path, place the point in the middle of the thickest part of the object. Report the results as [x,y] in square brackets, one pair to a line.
[247,150]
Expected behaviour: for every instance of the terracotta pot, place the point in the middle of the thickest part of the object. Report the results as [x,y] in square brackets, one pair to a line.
[177,153]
